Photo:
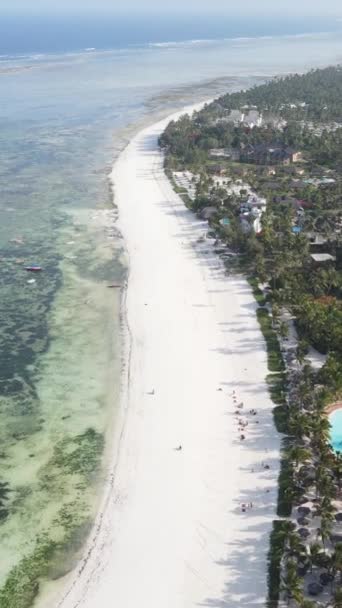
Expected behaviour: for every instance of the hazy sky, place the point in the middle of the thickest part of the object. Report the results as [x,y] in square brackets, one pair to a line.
[247,7]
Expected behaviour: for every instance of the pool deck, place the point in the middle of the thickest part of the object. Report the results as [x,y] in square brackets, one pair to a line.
[333,407]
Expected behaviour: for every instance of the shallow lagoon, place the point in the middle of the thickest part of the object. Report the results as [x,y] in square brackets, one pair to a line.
[59,335]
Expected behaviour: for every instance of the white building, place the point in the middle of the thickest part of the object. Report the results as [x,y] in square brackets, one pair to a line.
[252,119]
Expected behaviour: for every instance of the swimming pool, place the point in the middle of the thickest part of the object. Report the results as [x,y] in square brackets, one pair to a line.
[336,429]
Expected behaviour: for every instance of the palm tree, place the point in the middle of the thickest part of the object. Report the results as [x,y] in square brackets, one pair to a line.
[326,457]
[305,393]
[283,330]
[321,429]
[329,279]
[298,595]
[324,486]
[307,604]
[301,351]
[327,508]
[299,455]
[319,401]
[275,314]
[336,561]
[291,583]
[308,375]
[337,468]
[294,544]
[325,529]
[260,268]
[321,423]
[315,551]
[337,599]
[299,425]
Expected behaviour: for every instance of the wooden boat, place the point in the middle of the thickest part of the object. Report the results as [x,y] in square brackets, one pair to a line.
[33,268]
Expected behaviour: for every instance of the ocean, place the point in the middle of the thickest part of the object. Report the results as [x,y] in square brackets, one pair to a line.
[43,33]
[65,114]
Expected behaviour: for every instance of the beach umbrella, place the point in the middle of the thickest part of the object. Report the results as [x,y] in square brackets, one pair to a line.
[302,521]
[308,472]
[326,578]
[315,589]
[304,511]
[304,532]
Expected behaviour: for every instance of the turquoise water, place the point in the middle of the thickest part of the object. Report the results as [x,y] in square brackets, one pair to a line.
[63,119]
[336,430]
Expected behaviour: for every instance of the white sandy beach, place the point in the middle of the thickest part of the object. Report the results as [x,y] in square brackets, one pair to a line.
[172,533]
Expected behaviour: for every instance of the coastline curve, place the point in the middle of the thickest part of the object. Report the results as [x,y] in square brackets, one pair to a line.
[171,531]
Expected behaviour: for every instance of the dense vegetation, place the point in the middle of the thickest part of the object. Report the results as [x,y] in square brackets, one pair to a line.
[294,264]
[278,255]
[308,103]
[319,90]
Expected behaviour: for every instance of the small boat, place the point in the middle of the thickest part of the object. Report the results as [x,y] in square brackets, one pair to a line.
[114,286]
[33,268]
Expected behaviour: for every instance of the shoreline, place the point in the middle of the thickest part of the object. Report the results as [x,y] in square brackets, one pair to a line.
[61,594]
[99,551]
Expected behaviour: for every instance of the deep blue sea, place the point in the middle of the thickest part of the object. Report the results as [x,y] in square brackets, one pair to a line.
[72,92]
[27,34]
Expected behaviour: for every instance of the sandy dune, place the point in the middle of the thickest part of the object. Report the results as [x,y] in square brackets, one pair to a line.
[172,534]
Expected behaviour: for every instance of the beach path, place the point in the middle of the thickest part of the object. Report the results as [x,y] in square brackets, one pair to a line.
[174,533]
